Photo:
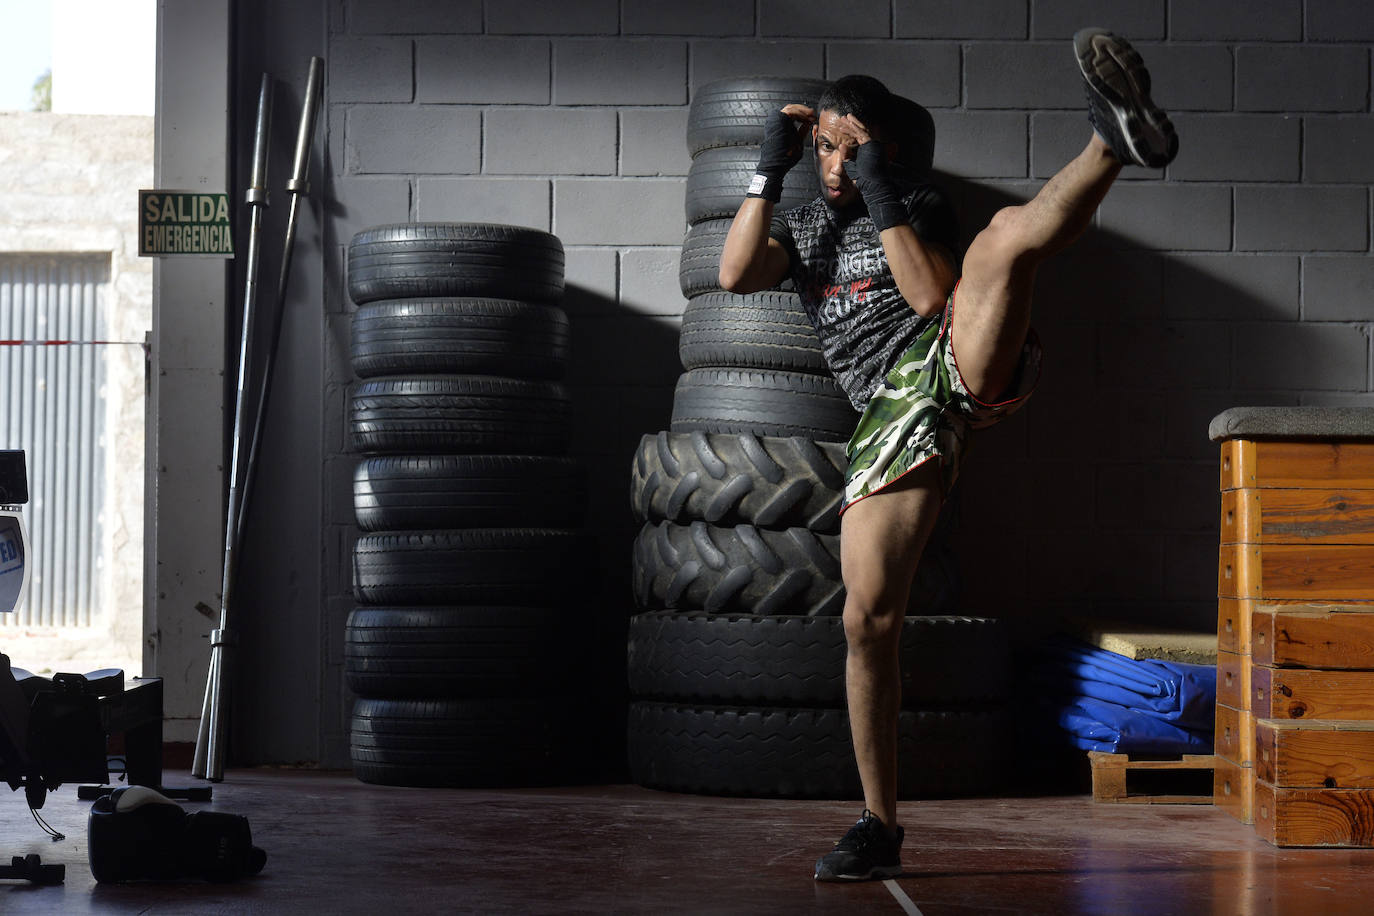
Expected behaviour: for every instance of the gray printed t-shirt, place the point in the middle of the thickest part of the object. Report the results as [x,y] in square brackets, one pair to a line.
[846,286]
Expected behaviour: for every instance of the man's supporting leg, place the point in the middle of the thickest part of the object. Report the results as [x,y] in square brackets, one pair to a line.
[881,540]
[993,303]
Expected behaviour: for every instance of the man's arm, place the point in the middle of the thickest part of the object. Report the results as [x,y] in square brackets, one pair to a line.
[750,260]
[924,272]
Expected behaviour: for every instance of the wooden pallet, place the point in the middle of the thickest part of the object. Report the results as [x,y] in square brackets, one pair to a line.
[1113,780]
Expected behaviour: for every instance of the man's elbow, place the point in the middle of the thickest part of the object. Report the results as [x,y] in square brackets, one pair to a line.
[732,279]
[927,305]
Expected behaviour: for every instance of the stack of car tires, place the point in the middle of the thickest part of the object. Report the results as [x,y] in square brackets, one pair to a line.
[736,661]
[462,647]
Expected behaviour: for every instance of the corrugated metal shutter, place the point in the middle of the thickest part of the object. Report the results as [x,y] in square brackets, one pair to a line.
[52,403]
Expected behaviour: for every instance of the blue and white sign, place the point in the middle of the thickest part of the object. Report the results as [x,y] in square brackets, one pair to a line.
[13,549]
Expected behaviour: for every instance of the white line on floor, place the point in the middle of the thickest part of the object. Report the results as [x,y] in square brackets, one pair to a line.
[903,900]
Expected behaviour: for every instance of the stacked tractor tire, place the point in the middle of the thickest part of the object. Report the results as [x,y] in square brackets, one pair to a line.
[736,659]
[462,648]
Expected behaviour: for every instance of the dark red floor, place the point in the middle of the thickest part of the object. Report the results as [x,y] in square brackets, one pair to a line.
[337,846]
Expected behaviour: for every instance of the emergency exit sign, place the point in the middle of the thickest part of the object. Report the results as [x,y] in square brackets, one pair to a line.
[184,224]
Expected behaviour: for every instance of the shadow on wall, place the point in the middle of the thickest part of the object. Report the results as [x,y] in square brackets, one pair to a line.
[1100,498]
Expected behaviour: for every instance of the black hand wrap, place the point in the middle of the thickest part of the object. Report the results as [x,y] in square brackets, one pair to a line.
[781,150]
[871,175]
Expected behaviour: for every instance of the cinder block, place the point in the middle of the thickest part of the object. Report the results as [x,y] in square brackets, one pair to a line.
[589,280]
[926,71]
[713,60]
[1132,424]
[1302,218]
[490,71]
[619,72]
[653,141]
[1339,20]
[1189,413]
[981,144]
[1022,75]
[513,201]
[1056,137]
[1338,149]
[1138,20]
[673,17]
[1190,77]
[1237,148]
[960,18]
[1235,20]
[806,19]
[1338,289]
[1168,217]
[1231,287]
[649,281]
[358,203]
[1190,565]
[550,141]
[627,350]
[1087,564]
[1161,495]
[1298,78]
[554,17]
[1333,399]
[371,70]
[1172,355]
[1302,357]
[1060,490]
[402,139]
[420,17]
[640,211]
[1095,285]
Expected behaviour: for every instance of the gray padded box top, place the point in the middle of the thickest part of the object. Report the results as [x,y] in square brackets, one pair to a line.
[1293,423]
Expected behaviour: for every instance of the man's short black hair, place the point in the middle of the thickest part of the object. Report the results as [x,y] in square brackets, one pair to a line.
[865,98]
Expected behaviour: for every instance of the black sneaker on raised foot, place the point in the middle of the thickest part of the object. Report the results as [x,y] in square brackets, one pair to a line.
[1119,105]
[869,850]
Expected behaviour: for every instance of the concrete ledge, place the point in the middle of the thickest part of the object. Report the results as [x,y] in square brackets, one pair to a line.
[1293,423]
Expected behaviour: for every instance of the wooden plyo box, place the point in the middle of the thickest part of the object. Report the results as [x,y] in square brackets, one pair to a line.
[1297,530]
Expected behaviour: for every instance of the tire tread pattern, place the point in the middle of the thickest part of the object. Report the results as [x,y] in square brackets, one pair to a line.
[406,260]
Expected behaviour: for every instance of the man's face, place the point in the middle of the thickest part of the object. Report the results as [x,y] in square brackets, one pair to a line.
[834,144]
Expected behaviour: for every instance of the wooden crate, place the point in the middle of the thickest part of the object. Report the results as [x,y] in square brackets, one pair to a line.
[1313,635]
[1295,591]
[1314,817]
[1119,778]
[1233,790]
[1314,754]
[1311,693]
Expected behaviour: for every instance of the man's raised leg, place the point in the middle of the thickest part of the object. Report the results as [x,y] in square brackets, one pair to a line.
[992,305]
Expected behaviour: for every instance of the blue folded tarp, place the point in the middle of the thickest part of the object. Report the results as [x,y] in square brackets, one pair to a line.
[1107,702]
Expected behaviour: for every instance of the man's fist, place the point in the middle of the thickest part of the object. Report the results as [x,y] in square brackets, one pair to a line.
[782,149]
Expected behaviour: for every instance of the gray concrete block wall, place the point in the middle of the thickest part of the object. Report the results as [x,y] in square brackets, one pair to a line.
[1241,275]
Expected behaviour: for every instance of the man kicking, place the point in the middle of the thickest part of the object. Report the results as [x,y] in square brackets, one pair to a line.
[927,347]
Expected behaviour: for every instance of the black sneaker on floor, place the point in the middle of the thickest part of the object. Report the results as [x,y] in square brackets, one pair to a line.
[869,850]
[1119,105]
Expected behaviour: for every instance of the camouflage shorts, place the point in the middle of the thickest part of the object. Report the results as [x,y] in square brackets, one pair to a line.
[923,410]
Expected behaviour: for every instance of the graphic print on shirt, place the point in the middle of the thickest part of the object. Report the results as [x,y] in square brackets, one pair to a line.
[841,273]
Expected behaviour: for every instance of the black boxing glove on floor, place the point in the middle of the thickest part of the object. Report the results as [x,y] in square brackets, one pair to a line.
[870,173]
[138,834]
[781,150]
